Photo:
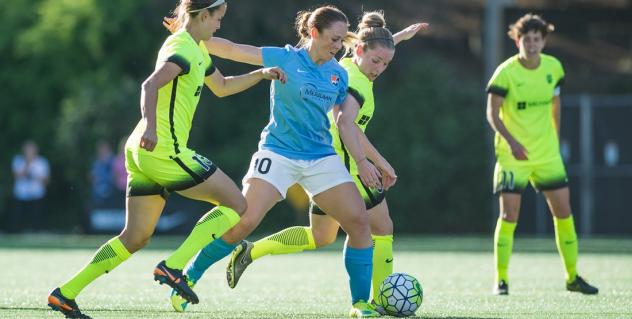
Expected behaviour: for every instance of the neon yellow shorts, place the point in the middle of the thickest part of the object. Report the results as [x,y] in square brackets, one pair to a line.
[371,196]
[151,175]
[513,176]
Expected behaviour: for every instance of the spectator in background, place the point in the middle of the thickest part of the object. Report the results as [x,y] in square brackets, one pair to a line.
[118,169]
[31,174]
[101,175]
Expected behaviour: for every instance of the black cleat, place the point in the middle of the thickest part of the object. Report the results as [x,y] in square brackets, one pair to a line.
[580,285]
[502,289]
[68,307]
[176,280]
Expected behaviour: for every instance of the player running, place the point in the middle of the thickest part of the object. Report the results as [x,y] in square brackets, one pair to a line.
[296,147]
[373,51]
[523,108]
[159,162]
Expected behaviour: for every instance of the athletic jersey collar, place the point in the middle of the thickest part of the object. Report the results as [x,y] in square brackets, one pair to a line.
[187,35]
[308,59]
[517,60]
[348,64]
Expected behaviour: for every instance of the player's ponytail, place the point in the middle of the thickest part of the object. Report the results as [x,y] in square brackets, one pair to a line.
[320,18]
[302,28]
[372,32]
[189,8]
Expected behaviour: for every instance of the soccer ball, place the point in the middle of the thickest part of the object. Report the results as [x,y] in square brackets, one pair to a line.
[400,295]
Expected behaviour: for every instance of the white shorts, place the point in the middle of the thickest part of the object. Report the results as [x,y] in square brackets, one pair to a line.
[315,176]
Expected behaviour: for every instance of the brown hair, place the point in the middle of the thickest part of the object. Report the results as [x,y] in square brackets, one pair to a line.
[191,8]
[529,22]
[372,32]
[320,18]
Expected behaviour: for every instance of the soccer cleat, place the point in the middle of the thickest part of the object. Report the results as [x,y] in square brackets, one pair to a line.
[378,308]
[68,307]
[361,309]
[502,289]
[580,285]
[178,303]
[239,261]
[176,280]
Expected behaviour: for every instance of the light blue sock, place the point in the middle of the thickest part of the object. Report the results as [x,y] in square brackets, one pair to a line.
[209,255]
[359,264]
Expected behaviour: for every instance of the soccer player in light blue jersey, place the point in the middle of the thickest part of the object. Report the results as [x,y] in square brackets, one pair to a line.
[296,147]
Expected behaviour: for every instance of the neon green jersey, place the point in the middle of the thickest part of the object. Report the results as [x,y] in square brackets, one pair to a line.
[361,88]
[178,99]
[527,110]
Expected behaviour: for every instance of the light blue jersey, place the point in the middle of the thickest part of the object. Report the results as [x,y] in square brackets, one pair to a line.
[299,127]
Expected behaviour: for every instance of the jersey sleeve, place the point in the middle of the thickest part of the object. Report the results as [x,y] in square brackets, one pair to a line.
[356,95]
[343,87]
[176,52]
[210,69]
[275,56]
[499,83]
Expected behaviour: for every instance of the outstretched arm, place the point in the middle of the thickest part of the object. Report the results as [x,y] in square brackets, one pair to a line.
[224,86]
[227,49]
[409,32]
[224,48]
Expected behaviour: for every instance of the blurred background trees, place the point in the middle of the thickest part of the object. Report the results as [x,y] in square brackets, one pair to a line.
[71,74]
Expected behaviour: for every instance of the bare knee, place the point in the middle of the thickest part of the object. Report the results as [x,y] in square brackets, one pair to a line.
[383,227]
[357,224]
[240,231]
[561,210]
[509,209]
[239,205]
[324,237]
[134,242]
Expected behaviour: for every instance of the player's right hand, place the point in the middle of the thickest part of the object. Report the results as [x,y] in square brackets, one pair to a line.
[518,151]
[149,140]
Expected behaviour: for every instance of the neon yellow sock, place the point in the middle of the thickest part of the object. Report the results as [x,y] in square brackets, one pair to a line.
[110,255]
[288,241]
[212,225]
[503,244]
[566,239]
[382,260]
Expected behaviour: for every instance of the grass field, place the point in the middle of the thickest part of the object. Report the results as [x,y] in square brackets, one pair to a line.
[456,274]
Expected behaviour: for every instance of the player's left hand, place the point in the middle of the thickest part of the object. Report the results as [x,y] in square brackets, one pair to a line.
[274,73]
[369,174]
[411,30]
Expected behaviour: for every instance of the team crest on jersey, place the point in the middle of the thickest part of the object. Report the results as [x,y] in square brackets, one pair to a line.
[549,78]
[334,79]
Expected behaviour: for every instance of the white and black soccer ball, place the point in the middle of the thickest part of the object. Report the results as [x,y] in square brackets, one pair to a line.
[400,295]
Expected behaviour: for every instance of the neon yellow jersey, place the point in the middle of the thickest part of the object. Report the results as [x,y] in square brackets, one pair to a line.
[527,110]
[361,88]
[178,99]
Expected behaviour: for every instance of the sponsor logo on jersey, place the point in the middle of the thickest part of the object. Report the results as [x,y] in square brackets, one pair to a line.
[311,92]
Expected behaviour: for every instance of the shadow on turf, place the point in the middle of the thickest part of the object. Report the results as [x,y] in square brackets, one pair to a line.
[258,315]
